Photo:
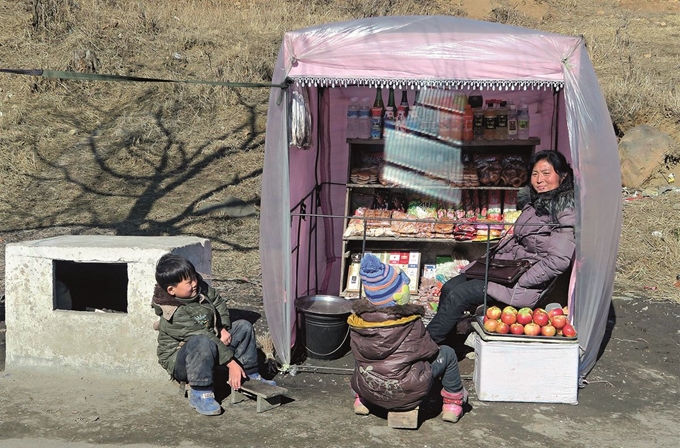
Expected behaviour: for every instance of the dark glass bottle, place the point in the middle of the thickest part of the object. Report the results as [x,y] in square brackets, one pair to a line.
[391,109]
[377,113]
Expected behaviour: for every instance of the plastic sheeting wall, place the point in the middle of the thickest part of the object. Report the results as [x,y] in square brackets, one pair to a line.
[435,50]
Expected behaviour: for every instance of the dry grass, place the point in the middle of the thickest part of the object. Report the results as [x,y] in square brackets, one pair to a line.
[146,159]
[648,257]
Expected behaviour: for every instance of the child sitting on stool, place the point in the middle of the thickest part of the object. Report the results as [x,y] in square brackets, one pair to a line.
[396,362]
[195,334]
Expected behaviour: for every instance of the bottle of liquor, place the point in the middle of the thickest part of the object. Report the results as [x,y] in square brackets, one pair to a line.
[404,102]
[402,113]
[377,112]
[391,109]
[478,118]
[512,122]
[502,122]
[490,120]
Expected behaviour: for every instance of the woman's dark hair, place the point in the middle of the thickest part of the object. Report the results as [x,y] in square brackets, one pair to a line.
[172,269]
[558,162]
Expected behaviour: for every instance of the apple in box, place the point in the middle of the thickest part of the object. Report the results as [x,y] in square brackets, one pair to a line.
[525,315]
[568,331]
[548,330]
[490,325]
[510,309]
[532,329]
[517,328]
[541,318]
[493,312]
[559,321]
[508,318]
[502,328]
[555,312]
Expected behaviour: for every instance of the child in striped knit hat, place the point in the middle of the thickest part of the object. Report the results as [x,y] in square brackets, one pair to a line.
[396,361]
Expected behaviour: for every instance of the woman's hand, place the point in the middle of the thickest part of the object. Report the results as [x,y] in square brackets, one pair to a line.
[225,337]
[236,374]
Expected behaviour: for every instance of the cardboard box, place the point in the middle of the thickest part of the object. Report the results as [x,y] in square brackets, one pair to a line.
[407,261]
[519,371]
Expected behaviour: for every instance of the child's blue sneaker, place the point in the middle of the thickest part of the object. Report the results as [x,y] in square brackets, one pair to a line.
[203,400]
[258,377]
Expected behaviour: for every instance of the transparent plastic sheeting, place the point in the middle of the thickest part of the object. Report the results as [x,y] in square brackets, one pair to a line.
[436,51]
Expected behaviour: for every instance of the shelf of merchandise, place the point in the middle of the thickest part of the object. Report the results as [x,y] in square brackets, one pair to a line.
[358,243]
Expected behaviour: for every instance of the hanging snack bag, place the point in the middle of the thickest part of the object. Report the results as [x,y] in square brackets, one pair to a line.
[494,211]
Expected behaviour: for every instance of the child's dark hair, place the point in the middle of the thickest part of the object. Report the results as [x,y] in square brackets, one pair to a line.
[172,269]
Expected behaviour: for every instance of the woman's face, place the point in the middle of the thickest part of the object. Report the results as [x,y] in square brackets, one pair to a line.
[543,177]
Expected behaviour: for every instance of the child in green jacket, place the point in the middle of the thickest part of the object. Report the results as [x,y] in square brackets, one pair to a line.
[195,333]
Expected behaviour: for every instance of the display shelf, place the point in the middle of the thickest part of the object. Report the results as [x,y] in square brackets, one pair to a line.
[415,240]
[401,187]
[362,149]
[531,141]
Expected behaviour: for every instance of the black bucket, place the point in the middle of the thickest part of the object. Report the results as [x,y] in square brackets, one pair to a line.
[322,325]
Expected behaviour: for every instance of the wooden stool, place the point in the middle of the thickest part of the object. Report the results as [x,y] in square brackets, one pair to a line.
[268,396]
[404,419]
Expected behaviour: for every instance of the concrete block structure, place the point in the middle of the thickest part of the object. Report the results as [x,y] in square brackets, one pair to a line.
[84,302]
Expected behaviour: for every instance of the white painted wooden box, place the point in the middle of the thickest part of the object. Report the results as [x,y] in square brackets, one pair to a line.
[520,370]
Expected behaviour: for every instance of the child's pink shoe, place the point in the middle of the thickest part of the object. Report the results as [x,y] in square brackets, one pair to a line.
[452,410]
[359,408]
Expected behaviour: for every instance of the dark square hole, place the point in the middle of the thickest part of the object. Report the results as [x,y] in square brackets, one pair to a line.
[91,286]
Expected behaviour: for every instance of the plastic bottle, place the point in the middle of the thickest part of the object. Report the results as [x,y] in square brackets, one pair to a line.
[523,122]
[490,120]
[364,120]
[352,130]
[377,112]
[468,118]
[512,121]
[502,121]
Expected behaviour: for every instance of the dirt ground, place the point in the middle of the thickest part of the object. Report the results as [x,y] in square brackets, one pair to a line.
[630,401]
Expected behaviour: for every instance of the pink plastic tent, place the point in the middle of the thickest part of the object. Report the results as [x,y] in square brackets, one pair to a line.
[340,60]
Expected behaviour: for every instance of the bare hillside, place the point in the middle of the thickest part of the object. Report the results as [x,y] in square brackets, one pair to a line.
[169,159]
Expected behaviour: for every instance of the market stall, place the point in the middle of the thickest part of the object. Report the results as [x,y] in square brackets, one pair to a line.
[311,172]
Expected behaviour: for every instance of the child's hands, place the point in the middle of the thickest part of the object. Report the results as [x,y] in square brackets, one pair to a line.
[236,374]
[225,337]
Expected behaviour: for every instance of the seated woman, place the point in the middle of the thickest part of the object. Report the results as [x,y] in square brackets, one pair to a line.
[543,234]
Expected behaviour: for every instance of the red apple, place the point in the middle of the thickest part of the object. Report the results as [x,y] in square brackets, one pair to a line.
[493,312]
[508,318]
[490,325]
[517,328]
[502,328]
[510,309]
[559,321]
[568,331]
[555,312]
[524,316]
[539,310]
[525,310]
[532,329]
[548,330]
[541,318]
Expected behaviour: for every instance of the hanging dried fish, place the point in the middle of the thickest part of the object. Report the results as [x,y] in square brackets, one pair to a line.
[300,117]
